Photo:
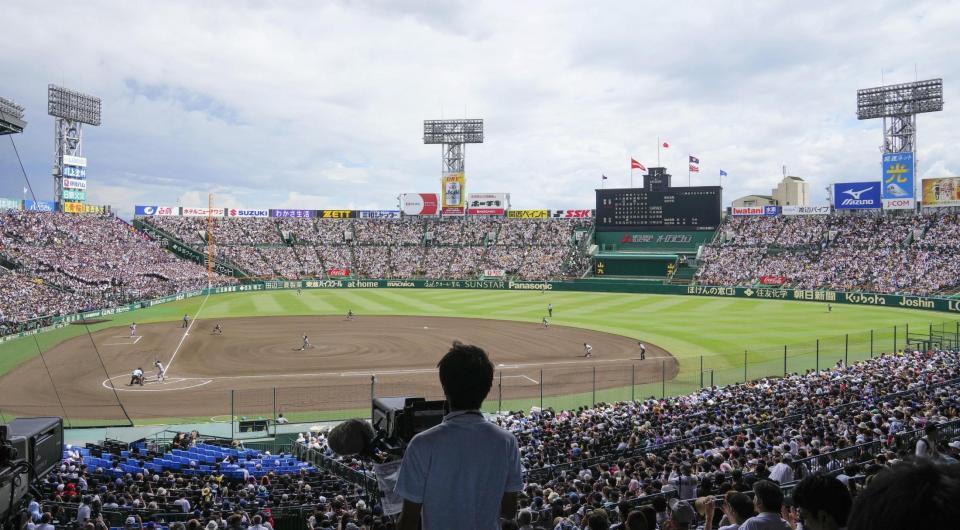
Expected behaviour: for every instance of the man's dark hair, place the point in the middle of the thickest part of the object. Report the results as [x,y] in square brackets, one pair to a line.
[598,520]
[823,493]
[769,495]
[466,375]
[659,504]
[636,521]
[920,494]
[741,505]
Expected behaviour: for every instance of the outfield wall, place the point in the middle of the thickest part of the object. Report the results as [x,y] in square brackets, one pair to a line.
[950,305]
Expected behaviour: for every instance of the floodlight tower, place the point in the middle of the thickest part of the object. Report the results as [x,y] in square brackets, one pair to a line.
[453,135]
[899,105]
[11,117]
[71,109]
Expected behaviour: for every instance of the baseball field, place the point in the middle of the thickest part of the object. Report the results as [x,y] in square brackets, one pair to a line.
[258,367]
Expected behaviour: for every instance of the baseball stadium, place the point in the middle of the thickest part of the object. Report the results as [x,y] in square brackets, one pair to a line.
[660,355]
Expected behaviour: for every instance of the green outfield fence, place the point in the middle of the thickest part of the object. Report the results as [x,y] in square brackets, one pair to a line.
[570,388]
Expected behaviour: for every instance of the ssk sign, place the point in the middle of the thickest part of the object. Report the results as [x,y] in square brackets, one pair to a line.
[573,214]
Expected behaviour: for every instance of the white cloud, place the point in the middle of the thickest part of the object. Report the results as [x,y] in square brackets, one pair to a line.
[279,105]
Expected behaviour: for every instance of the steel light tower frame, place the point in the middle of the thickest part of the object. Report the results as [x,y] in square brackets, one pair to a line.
[453,135]
[898,106]
[72,110]
[11,117]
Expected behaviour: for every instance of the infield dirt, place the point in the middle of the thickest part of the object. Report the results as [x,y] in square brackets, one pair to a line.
[260,360]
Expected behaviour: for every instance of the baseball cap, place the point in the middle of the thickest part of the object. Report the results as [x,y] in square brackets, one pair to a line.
[681,512]
[131,520]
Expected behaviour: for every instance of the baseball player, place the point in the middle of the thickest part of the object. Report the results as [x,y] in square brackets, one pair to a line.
[306,343]
[133,330]
[186,320]
[218,330]
[161,370]
[136,377]
[550,310]
[349,314]
[299,291]
[546,323]
[643,351]
[587,350]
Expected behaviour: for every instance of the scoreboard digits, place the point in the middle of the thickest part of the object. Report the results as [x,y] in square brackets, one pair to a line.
[693,208]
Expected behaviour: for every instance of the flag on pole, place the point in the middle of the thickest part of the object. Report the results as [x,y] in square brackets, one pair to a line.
[694,160]
[666,145]
[603,177]
[723,173]
[636,165]
[694,168]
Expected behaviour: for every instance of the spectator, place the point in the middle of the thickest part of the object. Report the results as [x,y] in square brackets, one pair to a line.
[909,496]
[767,500]
[823,503]
[465,462]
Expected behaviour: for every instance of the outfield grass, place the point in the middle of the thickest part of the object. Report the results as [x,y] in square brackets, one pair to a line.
[718,330]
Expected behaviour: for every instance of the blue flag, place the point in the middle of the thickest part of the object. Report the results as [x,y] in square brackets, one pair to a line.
[604,176]
[723,173]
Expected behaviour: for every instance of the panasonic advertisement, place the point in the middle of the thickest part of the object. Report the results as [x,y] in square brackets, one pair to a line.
[856,196]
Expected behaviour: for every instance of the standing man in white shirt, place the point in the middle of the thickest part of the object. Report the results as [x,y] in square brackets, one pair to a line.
[465,472]
[783,471]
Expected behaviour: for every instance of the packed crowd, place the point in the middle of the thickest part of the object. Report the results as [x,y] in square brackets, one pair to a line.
[63,263]
[913,254]
[391,248]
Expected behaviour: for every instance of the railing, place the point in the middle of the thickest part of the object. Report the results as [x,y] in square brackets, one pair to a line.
[338,469]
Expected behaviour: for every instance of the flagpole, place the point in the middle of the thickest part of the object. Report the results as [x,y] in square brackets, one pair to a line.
[688,173]
[658,152]
[631,173]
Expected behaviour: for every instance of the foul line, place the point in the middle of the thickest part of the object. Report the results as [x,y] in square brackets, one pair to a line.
[187,332]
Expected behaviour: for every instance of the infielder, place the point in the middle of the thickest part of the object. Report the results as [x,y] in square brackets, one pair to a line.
[643,351]
[306,343]
[349,314]
[161,370]
[587,350]
[546,323]
[133,330]
[218,329]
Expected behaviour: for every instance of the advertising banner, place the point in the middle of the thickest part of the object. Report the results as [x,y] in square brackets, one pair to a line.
[419,203]
[201,212]
[39,206]
[528,214]
[897,190]
[805,210]
[337,214]
[74,195]
[338,273]
[941,192]
[773,280]
[75,172]
[768,210]
[76,184]
[487,203]
[572,214]
[9,204]
[70,160]
[293,213]
[378,214]
[233,212]
[856,196]
[454,193]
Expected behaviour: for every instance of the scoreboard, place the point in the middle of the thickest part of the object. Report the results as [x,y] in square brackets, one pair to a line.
[692,208]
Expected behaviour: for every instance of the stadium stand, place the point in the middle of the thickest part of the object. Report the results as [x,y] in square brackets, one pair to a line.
[912,254]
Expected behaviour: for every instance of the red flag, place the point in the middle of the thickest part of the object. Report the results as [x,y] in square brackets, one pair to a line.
[636,165]
[694,168]
[666,145]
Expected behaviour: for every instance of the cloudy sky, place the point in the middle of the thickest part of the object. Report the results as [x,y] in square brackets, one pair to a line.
[320,104]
